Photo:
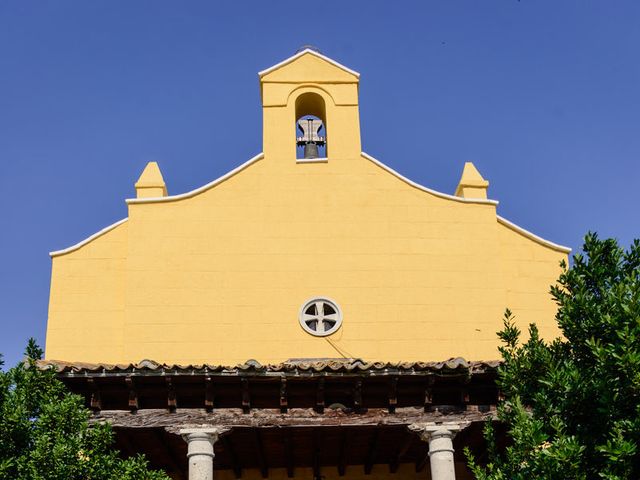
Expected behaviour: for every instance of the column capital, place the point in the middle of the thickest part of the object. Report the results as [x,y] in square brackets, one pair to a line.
[200,451]
[203,433]
[440,438]
[430,430]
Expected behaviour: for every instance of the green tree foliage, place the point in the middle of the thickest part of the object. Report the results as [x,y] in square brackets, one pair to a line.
[45,432]
[572,407]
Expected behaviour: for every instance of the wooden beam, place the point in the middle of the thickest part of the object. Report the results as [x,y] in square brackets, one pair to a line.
[127,447]
[316,455]
[246,397]
[371,453]
[421,463]
[464,396]
[233,458]
[133,396]
[393,394]
[357,395]
[287,440]
[95,402]
[264,468]
[428,395]
[174,463]
[402,451]
[284,402]
[342,459]
[230,418]
[208,394]
[172,402]
[320,395]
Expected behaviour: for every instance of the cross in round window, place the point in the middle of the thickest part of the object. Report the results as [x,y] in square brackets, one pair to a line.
[320,317]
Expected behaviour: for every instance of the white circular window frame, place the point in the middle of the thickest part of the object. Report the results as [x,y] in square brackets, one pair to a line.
[307,304]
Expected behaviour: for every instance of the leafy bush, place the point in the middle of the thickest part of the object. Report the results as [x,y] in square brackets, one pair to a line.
[45,432]
[572,407]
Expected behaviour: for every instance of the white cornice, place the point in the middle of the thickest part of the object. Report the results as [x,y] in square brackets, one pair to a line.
[192,193]
[483,201]
[88,239]
[504,221]
[312,52]
[532,236]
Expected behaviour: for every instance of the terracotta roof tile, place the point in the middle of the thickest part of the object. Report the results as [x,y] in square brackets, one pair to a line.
[315,365]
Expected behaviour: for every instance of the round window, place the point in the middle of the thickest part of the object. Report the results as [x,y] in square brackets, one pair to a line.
[320,317]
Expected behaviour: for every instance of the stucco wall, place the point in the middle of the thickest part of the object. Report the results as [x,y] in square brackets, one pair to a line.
[219,275]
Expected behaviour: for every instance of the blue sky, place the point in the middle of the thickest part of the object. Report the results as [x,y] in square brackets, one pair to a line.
[543,96]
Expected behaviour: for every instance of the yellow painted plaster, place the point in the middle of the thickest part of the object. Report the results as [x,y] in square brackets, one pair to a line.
[219,275]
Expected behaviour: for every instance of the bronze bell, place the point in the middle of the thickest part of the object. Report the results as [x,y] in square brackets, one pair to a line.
[311,150]
[310,138]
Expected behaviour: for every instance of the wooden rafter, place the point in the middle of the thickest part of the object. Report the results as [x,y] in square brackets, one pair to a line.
[284,402]
[172,401]
[464,396]
[277,389]
[402,451]
[342,459]
[133,395]
[262,461]
[169,454]
[316,455]
[287,441]
[428,395]
[246,397]
[208,393]
[320,395]
[393,394]
[127,447]
[95,402]
[357,395]
[233,458]
[371,453]
[421,463]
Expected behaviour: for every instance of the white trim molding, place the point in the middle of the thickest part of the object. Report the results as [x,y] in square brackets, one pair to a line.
[193,193]
[425,189]
[312,160]
[88,239]
[532,236]
[312,52]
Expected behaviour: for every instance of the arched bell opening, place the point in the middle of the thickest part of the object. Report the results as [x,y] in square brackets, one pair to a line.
[311,127]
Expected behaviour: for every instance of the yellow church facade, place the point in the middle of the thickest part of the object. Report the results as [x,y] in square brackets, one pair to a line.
[219,274]
[335,256]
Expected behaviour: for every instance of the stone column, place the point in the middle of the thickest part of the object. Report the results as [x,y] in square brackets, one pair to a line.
[440,438]
[200,451]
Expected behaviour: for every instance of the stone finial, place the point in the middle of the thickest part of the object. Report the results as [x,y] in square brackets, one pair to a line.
[471,184]
[151,184]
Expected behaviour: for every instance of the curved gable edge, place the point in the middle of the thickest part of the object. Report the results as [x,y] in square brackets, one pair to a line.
[532,236]
[501,220]
[170,198]
[193,193]
[87,240]
[426,189]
